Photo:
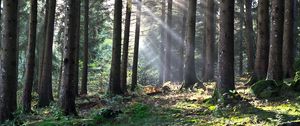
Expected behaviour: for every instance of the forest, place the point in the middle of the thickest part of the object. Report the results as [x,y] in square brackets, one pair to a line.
[149,62]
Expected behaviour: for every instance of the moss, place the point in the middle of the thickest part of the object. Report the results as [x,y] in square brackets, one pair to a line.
[296,83]
[265,88]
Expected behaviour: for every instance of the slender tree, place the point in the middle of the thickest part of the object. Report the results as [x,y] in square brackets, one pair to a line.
[183,36]
[8,63]
[29,74]
[189,70]
[115,76]
[85,48]
[288,39]
[275,54]
[76,71]
[45,90]
[163,41]
[249,36]
[263,40]
[210,40]
[225,83]
[125,47]
[167,65]
[67,93]
[240,44]
[136,46]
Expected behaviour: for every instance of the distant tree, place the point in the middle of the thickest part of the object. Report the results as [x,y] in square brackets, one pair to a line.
[240,44]
[45,89]
[263,40]
[77,48]
[8,63]
[163,42]
[136,45]
[125,47]
[288,39]
[210,40]
[30,64]
[275,55]
[183,36]
[167,63]
[115,71]
[189,70]
[249,36]
[225,82]
[85,48]
[67,93]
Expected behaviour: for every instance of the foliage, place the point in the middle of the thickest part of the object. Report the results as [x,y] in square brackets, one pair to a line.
[265,88]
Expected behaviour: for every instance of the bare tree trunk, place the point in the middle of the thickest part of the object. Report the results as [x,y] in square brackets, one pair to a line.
[76,71]
[115,76]
[167,68]
[67,92]
[263,40]
[163,42]
[8,63]
[125,47]
[288,40]
[29,74]
[45,91]
[85,48]
[241,47]
[249,36]
[183,36]
[275,54]
[210,40]
[136,46]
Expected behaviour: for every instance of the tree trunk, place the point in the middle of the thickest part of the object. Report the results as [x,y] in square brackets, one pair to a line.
[241,47]
[225,83]
[163,42]
[8,63]
[77,45]
[181,47]
[67,93]
[189,71]
[85,48]
[249,36]
[125,47]
[167,68]
[210,40]
[275,54]
[136,46]
[29,74]
[288,40]
[45,91]
[263,40]
[115,76]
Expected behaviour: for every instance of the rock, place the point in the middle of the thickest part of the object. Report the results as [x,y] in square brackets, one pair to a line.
[265,88]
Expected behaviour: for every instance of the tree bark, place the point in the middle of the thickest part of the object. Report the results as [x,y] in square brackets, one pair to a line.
[183,36]
[189,71]
[8,63]
[85,48]
[167,68]
[125,47]
[210,40]
[263,40]
[163,42]
[67,93]
[45,91]
[241,47]
[29,74]
[77,46]
[225,83]
[288,40]
[115,76]
[249,36]
[136,46]
[275,54]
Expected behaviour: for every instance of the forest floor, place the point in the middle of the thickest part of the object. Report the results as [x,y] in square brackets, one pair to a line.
[173,108]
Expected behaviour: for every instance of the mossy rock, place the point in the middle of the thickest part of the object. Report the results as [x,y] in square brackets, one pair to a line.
[296,83]
[265,89]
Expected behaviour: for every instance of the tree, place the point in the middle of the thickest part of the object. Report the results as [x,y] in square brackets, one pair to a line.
[249,36]
[163,41]
[183,36]
[189,70]
[167,64]
[288,39]
[240,45]
[45,89]
[136,46]
[77,50]
[67,92]
[115,76]
[29,74]
[225,83]
[85,48]
[8,63]
[263,40]
[210,40]
[275,54]
[125,47]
